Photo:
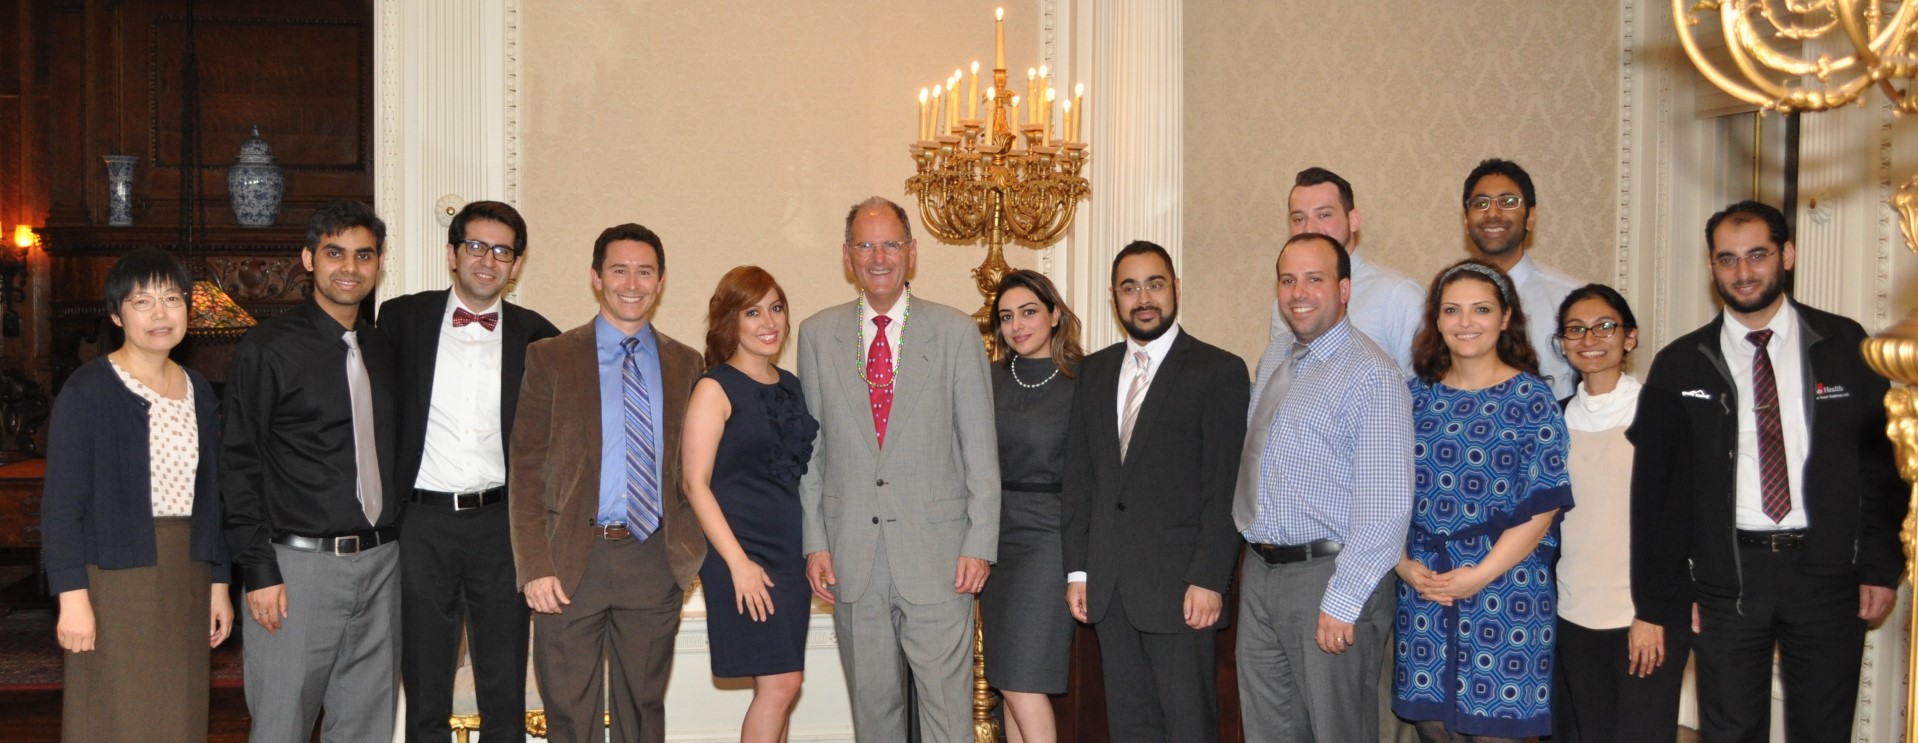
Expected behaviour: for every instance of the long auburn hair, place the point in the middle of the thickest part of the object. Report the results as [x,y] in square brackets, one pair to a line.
[1431,358]
[1066,352]
[739,289]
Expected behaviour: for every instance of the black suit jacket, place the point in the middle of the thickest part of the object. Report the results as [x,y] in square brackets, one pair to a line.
[413,323]
[1162,520]
[1684,476]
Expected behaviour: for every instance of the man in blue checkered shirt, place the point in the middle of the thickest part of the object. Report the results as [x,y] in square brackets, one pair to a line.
[1324,498]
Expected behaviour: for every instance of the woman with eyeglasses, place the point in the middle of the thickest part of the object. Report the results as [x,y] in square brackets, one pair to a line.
[1475,621]
[130,521]
[1028,632]
[1618,675]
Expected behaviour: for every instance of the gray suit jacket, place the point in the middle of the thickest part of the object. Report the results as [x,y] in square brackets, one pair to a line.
[933,492]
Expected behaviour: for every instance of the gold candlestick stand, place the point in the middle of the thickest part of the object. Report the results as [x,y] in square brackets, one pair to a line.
[1882,55]
[975,185]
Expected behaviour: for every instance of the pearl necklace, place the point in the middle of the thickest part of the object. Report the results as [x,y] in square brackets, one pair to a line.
[859,341]
[1014,366]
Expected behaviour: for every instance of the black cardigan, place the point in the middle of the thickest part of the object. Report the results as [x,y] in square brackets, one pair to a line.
[1684,477]
[97,507]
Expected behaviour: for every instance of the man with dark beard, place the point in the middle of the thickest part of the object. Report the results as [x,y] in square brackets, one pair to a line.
[1152,457]
[1501,208]
[1766,492]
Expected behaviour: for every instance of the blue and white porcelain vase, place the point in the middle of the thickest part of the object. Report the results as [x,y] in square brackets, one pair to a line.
[120,189]
[254,184]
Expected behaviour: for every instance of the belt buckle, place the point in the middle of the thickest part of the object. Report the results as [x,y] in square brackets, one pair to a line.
[339,545]
[456,502]
[605,530]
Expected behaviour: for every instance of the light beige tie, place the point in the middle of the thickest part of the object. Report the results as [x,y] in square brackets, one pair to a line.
[1134,397]
[1245,498]
[365,451]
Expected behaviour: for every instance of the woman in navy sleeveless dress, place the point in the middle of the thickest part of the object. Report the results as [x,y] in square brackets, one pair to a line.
[1476,618]
[746,442]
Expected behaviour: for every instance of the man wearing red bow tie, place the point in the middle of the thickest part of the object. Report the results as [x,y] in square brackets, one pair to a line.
[462,354]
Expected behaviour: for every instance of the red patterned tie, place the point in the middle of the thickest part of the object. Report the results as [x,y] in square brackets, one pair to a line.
[462,318]
[879,377]
[1774,483]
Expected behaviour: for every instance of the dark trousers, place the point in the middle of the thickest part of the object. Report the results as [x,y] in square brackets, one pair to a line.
[456,567]
[621,624]
[1598,701]
[1159,687]
[1813,622]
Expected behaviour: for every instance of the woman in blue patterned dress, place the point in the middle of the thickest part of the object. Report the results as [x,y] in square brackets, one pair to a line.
[1476,619]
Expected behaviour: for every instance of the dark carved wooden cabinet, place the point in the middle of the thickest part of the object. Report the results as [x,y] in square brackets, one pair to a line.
[302,72]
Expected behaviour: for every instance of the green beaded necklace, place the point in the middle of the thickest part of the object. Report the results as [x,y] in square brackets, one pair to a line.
[859,342]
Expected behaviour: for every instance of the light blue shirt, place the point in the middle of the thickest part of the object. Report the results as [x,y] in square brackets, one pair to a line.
[1337,462]
[1540,291]
[1385,306]
[612,413]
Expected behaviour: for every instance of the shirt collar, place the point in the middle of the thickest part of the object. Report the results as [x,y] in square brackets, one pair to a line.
[897,312]
[1158,347]
[1783,326]
[609,338]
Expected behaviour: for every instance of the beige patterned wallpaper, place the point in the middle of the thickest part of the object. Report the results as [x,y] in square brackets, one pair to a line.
[740,131]
[1403,99]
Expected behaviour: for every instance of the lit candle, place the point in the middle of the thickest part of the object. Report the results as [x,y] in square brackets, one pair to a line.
[1078,110]
[922,115]
[1048,114]
[972,93]
[999,38]
[1070,134]
[952,92]
[938,97]
[991,106]
[1040,111]
[1013,119]
[1032,75]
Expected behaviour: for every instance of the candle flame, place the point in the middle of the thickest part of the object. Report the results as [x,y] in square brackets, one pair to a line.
[23,236]
[999,14]
[1042,71]
[1049,96]
[1015,101]
[1068,105]
[922,95]
[975,67]
[1079,89]
[1031,73]
[937,90]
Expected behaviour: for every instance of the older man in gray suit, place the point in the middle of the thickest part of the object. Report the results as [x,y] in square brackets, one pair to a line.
[901,499]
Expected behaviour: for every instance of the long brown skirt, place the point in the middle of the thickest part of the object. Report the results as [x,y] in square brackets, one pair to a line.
[146,679]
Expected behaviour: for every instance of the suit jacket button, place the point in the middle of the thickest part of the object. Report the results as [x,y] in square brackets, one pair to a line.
[880,483]
[875,519]
[1122,506]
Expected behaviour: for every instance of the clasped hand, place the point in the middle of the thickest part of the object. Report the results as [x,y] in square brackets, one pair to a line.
[1443,588]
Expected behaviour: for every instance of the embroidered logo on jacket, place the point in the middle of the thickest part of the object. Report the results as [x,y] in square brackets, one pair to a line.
[1700,394]
[1824,391]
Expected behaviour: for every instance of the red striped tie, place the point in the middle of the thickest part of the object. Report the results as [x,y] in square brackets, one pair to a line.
[1773,480]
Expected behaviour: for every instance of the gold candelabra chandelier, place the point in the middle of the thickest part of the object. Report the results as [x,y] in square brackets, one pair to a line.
[998,178]
[1759,37]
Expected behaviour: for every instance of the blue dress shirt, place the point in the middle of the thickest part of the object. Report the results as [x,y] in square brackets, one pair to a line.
[612,414]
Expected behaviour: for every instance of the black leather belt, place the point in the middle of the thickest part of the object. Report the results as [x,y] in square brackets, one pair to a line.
[459,501]
[1775,541]
[343,544]
[1282,554]
[612,532]
[1031,487]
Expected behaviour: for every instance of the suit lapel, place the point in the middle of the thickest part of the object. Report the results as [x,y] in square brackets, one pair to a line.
[672,378]
[426,354]
[842,364]
[1103,414]
[512,368]
[585,417]
[915,377]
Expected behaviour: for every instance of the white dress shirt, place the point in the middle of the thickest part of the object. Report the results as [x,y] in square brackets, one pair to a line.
[898,313]
[464,451]
[1788,368]
[1540,290]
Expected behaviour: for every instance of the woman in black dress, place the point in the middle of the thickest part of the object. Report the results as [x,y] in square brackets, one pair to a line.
[747,439]
[1028,633]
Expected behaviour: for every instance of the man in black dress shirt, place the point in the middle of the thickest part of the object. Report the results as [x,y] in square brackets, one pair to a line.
[307,441]
[462,353]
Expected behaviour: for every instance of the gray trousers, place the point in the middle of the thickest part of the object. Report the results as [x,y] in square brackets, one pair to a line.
[1291,690]
[337,649]
[880,636]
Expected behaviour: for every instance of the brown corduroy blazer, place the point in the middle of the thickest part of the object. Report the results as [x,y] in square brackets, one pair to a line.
[554,492]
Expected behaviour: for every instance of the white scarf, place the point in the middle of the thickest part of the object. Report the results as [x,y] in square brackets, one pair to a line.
[1594,413]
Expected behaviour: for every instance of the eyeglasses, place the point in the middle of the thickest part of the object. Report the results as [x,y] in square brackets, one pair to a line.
[502,252]
[892,247]
[1506,202]
[146,302]
[1754,258]
[1155,286]
[1604,329]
